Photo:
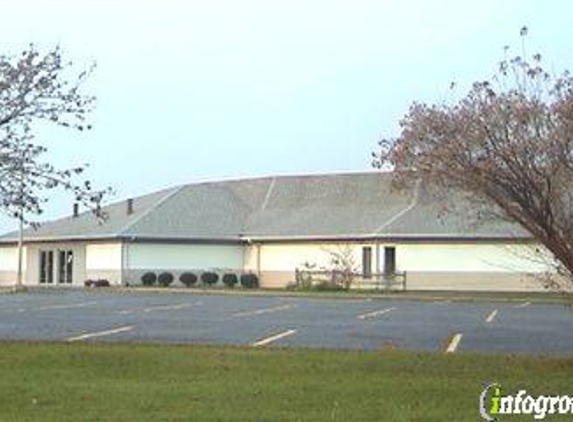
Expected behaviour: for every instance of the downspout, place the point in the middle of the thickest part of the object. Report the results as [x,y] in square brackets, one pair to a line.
[124,261]
[258,255]
[126,267]
[258,246]
[122,265]
[377,257]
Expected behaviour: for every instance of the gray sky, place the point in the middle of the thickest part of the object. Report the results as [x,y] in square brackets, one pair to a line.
[194,90]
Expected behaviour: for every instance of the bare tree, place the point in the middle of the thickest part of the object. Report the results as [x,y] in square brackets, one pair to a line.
[507,145]
[342,265]
[35,88]
[338,271]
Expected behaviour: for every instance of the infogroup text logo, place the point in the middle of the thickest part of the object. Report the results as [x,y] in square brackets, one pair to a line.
[493,402]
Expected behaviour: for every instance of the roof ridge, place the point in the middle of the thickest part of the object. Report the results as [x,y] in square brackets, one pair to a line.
[270,190]
[161,201]
[402,212]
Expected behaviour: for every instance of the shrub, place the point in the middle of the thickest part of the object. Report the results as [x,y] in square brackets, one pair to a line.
[209,278]
[188,279]
[325,286]
[165,279]
[249,280]
[149,279]
[100,282]
[230,279]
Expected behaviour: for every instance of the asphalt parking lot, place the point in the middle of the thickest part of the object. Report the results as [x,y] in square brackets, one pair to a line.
[275,321]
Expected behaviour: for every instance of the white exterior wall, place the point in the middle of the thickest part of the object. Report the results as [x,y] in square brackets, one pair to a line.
[288,257]
[104,261]
[9,264]
[468,258]
[277,262]
[103,256]
[9,258]
[150,256]
[447,266]
[33,261]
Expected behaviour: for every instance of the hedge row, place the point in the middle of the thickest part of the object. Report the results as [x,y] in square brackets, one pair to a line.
[208,278]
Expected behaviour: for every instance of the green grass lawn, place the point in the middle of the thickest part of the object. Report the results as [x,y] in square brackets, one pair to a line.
[128,382]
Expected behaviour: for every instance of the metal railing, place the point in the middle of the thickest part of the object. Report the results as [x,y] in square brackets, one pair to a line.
[378,281]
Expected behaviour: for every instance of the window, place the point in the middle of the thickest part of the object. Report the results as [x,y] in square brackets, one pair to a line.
[65,267]
[389,260]
[367,261]
[46,267]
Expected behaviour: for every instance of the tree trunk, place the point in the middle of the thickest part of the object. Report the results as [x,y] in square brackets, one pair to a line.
[19,282]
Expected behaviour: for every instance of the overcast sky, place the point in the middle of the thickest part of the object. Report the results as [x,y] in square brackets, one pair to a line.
[194,90]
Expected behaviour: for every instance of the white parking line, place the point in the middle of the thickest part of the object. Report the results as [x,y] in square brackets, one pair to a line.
[166,307]
[453,346]
[375,313]
[491,316]
[100,333]
[263,311]
[155,308]
[275,337]
[523,305]
[70,306]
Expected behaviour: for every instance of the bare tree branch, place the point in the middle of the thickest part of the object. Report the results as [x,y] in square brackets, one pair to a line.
[33,88]
[508,144]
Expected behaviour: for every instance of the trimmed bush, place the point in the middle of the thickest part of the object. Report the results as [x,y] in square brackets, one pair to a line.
[188,279]
[249,280]
[230,279]
[209,278]
[165,279]
[148,279]
[101,283]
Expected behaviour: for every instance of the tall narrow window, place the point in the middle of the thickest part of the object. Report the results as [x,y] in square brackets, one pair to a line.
[50,268]
[65,267]
[46,267]
[389,260]
[367,261]
[43,259]
[61,266]
[69,267]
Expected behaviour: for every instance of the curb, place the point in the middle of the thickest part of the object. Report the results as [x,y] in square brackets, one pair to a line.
[343,296]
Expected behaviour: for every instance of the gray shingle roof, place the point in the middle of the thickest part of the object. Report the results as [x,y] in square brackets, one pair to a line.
[86,224]
[351,205]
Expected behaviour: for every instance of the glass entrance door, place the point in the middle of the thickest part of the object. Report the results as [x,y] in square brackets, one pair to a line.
[46,267]
[65,267]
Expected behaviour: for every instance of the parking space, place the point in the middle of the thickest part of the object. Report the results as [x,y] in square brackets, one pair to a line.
[274,321]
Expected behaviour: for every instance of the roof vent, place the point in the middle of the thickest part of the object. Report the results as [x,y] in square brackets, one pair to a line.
[130,206]
[76,209]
